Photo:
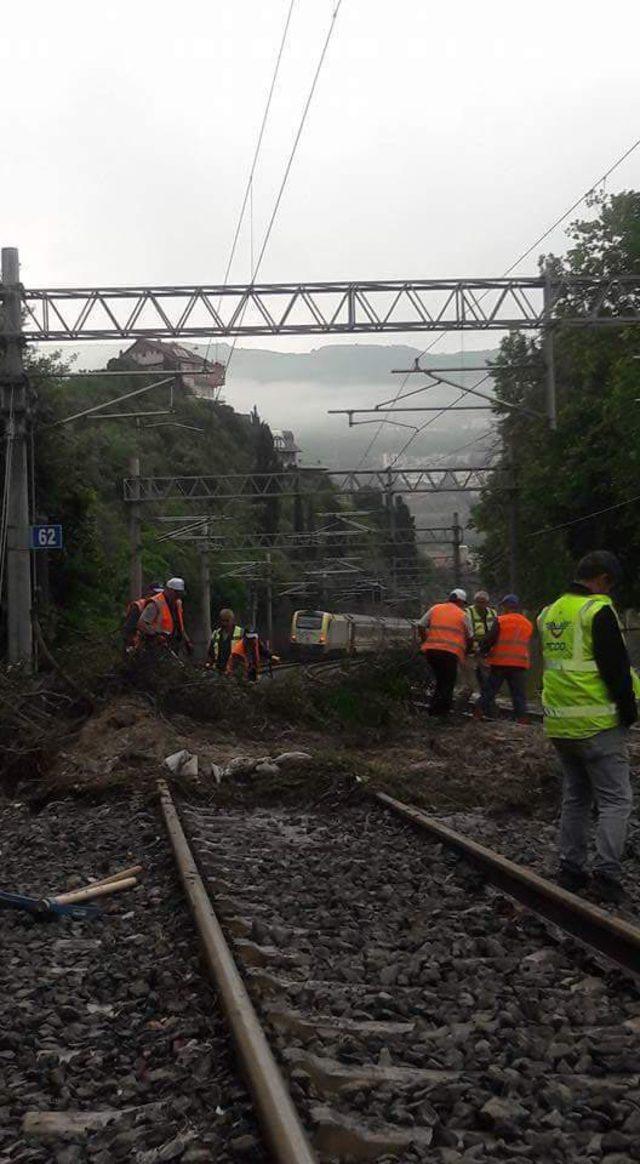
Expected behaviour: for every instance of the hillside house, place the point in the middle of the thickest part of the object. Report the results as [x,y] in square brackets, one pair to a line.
[203,378]
[286,448]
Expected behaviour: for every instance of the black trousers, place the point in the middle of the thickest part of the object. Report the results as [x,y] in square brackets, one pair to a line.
[445,668]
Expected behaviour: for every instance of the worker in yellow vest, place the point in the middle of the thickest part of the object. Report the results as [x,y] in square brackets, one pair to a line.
[223,640]
[483,618]
[505,650]
[445,635]
[589,705]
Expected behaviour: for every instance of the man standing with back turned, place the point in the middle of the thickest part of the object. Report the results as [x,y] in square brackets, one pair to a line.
[445,635]
[589,704]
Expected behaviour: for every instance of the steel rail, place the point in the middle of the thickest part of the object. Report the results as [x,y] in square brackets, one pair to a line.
[278,1115]
[618,940]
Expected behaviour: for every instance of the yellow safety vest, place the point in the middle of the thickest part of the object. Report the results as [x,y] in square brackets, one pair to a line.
[216,637]
[478,623]
[575,699]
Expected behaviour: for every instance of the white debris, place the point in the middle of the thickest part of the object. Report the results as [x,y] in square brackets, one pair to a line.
[267,769]
[175,761]
[243,765]
[293,758]
[190,766]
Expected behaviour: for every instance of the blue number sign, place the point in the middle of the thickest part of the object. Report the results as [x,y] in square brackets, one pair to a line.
[46,537]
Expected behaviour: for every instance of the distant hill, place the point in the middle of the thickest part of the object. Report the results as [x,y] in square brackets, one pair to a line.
[296,390]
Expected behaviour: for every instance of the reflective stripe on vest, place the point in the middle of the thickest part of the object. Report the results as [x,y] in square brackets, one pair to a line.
[512,647]
[575,699]
[446,630]
[180,615]
[578,711]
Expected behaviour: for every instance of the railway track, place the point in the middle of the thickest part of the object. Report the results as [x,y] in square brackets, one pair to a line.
[322,668]
[413,1010]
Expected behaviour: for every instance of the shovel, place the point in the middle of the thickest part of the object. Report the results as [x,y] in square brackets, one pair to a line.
[45,908]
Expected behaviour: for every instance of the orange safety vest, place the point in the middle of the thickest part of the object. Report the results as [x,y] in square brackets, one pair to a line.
[512,647]
[180,616]
[447,630]
[243,650]
[164,618]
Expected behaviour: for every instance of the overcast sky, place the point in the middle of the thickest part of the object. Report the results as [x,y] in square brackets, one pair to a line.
[441,140]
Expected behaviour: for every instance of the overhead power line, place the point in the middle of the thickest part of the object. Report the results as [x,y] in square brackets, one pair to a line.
[587,517]
[296,141]
[256,153]
[525,254]
[574,206]
[248,193]
[287,170]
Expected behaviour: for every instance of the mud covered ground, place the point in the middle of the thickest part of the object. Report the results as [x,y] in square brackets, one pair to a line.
[500,766]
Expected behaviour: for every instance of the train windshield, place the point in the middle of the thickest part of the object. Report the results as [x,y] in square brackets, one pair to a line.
[310,620]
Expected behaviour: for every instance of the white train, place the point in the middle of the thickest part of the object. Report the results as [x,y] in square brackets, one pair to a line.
[318,633]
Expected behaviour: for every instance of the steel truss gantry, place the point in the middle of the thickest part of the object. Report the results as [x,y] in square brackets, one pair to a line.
[369,306]
[197,530]
[300,482]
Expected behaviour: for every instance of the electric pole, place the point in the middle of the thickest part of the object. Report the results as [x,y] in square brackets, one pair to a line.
[549,349]
[15,412]
[457,560]
[135,543]
[390,502]
[269,601]
[512,494]
[205,596]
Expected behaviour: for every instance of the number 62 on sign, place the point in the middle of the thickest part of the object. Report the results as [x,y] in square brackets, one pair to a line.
[45,537]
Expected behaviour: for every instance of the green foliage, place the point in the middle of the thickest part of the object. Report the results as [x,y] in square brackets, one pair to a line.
[591,462]
[79,472]
[79,468]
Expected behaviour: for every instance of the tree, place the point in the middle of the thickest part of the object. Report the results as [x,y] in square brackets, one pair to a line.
[265,460]
[577,487]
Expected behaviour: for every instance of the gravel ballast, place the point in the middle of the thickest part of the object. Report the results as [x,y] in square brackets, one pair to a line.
[534,843]
[404,995]
[110,1017]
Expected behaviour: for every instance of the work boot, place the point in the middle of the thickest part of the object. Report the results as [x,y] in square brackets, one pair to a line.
[607,889]
[571,878]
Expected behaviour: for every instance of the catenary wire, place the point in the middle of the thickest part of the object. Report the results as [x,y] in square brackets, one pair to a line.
[525,254]
[248,193]
[587,516]
[287,169]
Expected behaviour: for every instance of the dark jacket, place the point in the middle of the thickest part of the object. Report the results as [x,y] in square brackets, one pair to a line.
[610,653]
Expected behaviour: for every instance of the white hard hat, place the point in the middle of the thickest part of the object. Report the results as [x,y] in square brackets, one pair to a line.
[176,584]
[461,595]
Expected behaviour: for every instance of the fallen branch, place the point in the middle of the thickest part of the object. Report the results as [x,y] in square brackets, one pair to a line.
[54,664]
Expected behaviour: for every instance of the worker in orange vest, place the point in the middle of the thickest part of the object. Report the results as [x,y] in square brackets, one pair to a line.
[246,656]
[506,650]
[162,620]
[446,636]
[132,616]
